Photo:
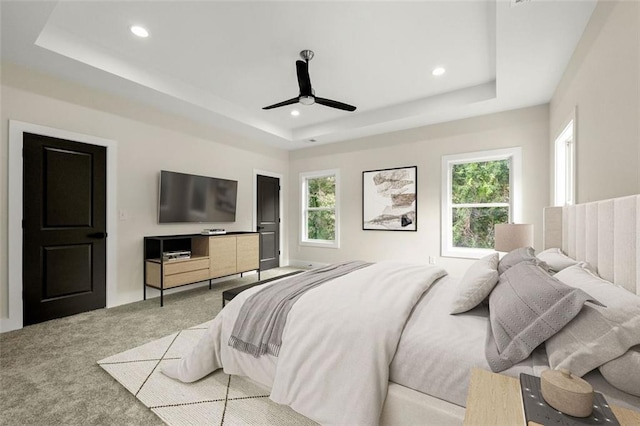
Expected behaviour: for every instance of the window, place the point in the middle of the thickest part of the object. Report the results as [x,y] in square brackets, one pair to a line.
[479,190]
[320,214]
[564,182]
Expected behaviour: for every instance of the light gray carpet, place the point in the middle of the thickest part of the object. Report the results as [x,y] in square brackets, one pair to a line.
[48,371]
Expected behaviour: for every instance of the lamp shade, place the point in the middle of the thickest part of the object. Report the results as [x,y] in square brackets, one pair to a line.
[510,236]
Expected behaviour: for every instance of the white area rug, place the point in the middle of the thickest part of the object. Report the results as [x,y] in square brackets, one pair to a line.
[218,399]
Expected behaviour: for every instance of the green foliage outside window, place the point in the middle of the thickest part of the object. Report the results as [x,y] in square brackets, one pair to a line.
[474,184]
[321,216]
[473,227]
[483,182]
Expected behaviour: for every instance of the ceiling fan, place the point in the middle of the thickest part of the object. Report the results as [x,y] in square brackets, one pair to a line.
[307,95]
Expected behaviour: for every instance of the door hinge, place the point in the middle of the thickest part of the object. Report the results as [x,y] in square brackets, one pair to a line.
[279,220]
[22,223]
[279,253]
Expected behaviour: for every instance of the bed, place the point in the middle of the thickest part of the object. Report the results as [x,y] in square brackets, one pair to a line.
[426,383]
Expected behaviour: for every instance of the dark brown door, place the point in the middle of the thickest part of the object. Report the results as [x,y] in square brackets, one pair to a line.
[269,221]
[64,228]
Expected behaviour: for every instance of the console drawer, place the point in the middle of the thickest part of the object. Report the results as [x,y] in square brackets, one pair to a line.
[187,265]
[186,277]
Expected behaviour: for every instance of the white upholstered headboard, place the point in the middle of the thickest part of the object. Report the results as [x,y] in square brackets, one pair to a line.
[604,233]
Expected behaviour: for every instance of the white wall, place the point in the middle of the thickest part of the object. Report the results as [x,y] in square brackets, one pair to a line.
[422,147]
[147,143]
[602,81]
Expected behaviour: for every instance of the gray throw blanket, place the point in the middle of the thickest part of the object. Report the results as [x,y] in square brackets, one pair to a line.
[259,326]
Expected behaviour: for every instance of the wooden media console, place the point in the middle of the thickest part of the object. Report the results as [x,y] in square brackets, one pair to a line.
[212,256]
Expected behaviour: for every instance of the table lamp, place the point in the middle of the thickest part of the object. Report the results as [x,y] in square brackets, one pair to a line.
[510,236]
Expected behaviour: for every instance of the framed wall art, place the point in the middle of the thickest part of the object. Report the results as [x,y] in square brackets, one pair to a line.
[390,199]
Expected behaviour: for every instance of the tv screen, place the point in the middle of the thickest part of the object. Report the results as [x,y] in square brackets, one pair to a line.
[191,198]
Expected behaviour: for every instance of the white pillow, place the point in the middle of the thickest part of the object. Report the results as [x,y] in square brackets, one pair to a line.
[624,372]
[556,259]
[476,284]
[598,334]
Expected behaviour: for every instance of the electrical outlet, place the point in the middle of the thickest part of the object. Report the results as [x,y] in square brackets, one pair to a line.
[432,260]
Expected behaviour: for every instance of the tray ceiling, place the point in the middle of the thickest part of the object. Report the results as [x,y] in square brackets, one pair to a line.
[221,62]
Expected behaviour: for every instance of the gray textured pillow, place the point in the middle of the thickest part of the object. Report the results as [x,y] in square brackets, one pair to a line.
[600,333]
[519,255]
[527,307]
[476,284]
[624,372]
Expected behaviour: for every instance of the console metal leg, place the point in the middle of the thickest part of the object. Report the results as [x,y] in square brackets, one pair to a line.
[209,284]
[144,269]
[161,273]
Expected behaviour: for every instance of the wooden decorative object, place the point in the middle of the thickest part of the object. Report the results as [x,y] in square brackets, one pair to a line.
[567,393]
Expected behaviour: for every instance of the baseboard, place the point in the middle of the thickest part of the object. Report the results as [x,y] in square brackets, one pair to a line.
[9,324]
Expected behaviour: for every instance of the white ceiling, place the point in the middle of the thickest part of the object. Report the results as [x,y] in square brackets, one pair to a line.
[220,62]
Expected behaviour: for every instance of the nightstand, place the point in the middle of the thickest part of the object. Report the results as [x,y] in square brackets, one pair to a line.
[494,399]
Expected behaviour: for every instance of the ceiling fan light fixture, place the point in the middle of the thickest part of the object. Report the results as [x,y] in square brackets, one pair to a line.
[139,31]
[307,100]
[438,71]
[307,96]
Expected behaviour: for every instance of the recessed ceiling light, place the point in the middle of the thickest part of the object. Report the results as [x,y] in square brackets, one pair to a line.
[139,31]
[438,71]
[295,113]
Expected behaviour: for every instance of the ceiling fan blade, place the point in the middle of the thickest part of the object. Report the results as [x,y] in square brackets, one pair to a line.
[304,81]
[283,103]
[335,104]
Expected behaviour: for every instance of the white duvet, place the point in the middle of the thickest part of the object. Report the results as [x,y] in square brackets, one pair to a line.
[337,346]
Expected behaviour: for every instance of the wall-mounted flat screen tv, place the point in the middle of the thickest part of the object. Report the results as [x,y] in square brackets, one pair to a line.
[201,199]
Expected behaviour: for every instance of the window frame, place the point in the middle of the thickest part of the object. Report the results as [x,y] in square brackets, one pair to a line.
[304,209]
[564,165]
[514,154]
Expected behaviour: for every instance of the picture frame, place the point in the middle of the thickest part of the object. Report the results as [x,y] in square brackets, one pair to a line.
[390,199]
